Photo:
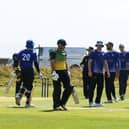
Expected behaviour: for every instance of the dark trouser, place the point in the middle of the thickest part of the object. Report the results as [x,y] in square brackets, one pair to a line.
[57,98]
[18,81]
[27,76]
[18,86]
[98,79]
[123,82]
[85,84]
[109,85]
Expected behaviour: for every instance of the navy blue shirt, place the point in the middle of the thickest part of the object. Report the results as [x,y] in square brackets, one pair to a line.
[97,58]
[127,60]
[112,58]
[26,58]
[123,59]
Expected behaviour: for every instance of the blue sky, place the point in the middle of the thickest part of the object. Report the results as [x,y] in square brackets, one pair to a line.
[80,22]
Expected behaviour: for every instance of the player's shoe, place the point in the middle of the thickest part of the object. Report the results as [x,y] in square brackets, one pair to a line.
[18,99]
[122,97]
[91,105]
[64,107]
[29,105]
[57,109]
[98,105]
[108,102]
[115,100]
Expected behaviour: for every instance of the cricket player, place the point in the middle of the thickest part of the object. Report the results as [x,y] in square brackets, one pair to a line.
[60,75]
[112,58]
[26,59]
[84,65]
[96,63]
[123,71]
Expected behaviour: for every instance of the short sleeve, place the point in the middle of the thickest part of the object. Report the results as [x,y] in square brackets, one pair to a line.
[52,55]
[92,55]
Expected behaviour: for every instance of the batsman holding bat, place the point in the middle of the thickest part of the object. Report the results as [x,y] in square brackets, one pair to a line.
[60,75]
[26,59]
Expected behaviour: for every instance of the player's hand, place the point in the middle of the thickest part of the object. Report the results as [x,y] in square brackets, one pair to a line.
[108,74]
[13,73]
[82,67]
[55,76]
[90,74]
[40,75]
[117,74]
[69,73]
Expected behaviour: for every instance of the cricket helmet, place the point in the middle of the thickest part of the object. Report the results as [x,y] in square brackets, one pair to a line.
[29,44]
[62,42]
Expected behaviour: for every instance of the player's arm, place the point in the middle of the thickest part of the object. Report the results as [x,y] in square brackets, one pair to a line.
[83,60]
[15,64]
[90,61]
[37,66]
[52,60]
[106,67]
[90,67]
[117,65]
[55,76]
[15,61]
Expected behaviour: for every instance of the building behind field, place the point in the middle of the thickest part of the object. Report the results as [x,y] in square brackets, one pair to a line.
[74,55]
[4,61]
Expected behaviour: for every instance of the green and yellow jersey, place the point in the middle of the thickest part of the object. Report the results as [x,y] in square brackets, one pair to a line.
[60,59]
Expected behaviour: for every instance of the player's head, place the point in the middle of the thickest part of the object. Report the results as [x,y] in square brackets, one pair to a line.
[29,44]
[121,47]
[109,46]
[90,49]
[99,45]
[61,43]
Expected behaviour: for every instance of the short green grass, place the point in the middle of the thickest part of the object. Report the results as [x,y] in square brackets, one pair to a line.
[111,116]
[80,116]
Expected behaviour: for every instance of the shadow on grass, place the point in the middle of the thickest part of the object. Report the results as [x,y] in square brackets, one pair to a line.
[51,110]
[126,107]
[94,107]
[86,107]
[15,106]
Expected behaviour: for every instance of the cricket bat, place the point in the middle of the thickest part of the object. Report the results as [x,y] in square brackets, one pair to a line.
[75,96]
[9,84]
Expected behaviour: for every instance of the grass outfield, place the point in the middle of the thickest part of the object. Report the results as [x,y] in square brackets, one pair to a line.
[111,116]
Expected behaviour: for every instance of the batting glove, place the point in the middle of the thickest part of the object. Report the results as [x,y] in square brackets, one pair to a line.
[55,76]
[13,73]
[40,75]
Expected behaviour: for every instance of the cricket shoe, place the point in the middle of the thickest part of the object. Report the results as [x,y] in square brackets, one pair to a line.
[108,102]
[91,105]
[98,105]
[18,99]
[29,105]
[58,108]
[116,100]
[122,97]
[64,107]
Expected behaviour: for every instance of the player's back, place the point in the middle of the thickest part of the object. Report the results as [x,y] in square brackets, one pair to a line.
[26,58]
